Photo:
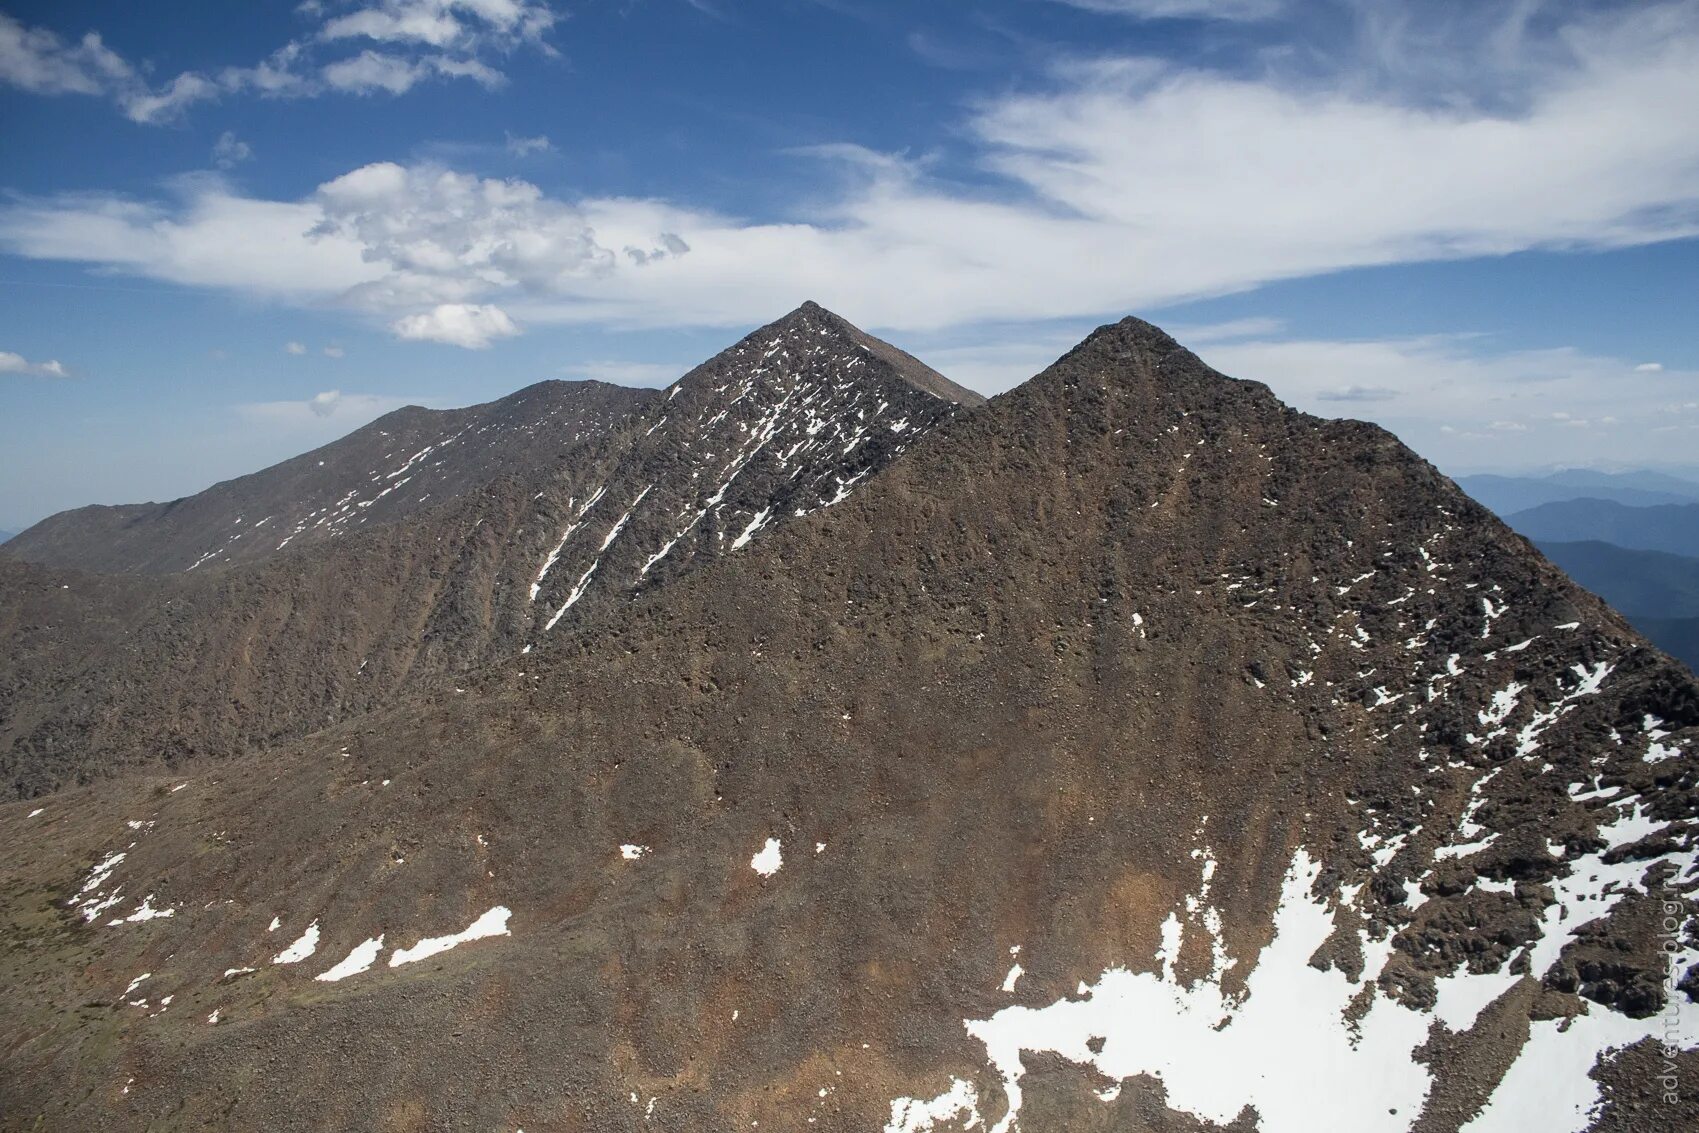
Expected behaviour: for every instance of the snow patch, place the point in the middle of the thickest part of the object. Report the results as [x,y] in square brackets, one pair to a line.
[492,923]
[359,959]
[305,945]
[768,860]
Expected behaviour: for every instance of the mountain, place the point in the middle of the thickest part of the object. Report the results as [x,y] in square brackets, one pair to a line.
[102,672]
[1672,528]
[1658,592]
[1645,480]
[1131,752]
[1635,582]
[1679,637]
[386,471]
[1508,494]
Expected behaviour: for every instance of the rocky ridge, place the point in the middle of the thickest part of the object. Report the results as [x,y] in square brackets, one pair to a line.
[103,672]
[381,473]
[1132,753]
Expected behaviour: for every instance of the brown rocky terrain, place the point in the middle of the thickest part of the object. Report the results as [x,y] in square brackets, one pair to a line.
[389,470]
[1130,753]
[108,671]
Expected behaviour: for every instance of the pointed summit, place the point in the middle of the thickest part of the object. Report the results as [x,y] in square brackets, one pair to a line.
[906,365]
[811,326]
[789,420]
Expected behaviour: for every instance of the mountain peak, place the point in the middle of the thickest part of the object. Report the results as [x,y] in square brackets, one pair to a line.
[813,320]
[1131,335]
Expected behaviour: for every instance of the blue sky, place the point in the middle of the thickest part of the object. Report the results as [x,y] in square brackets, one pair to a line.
[232,232]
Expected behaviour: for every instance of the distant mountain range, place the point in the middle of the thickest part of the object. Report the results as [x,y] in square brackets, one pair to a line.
[406,461]
[1509,494]
[5,535]
[1630,537]
[1673,528]
[1639,583]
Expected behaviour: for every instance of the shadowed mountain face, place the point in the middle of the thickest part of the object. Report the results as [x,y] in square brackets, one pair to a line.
[1131,753]
[101,672]
[1657,592]
[1671,528]
[386,471]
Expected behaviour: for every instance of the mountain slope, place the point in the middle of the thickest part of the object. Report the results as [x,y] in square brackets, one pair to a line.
[786,422]
[103,672]
[1132,753]
[1658,592]
[378,474]
[1679,637]
[1635,582]
[1672,528]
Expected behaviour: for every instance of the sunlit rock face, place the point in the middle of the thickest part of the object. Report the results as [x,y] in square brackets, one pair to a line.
[1130,752]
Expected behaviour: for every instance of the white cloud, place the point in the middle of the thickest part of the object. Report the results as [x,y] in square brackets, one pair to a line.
[149,107]
[1184,9]
[11,363]
[443,23]
[328,414]
[1461,403]
[37,60]
[445,237]
[470,325]
[333,352]
[294,348]
[625,373]
[425,39]
[525,147]
[369,71]
[373,71]
[1649,368]
[230,151]
[418,24]
[210,238]
[1222,332]
[282,74]
[1131,185]
[1357,393]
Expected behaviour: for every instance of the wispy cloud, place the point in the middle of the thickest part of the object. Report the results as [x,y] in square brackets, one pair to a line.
[1357,393]
[328,414]
[1462,402]
[525,147]
[416,41]
[39,61]
[1129,185]
[625,373]
[230,151]
[1183,9]
[17,364]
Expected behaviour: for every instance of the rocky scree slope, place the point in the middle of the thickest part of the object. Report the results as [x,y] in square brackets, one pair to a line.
[1134,754]
[102,672]
[785,423]
[381,473]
